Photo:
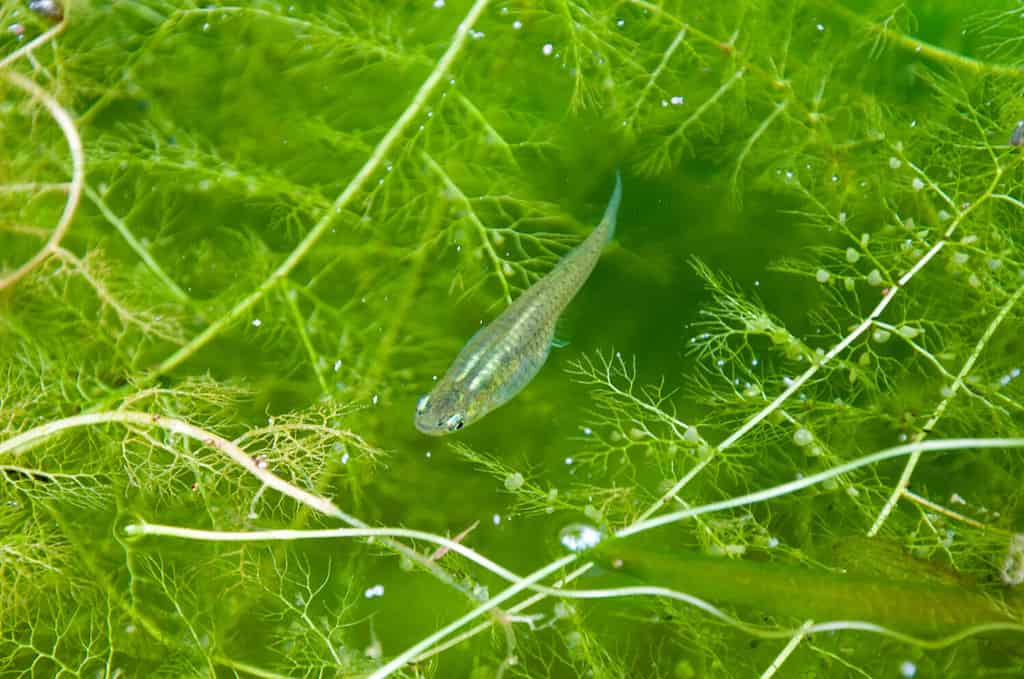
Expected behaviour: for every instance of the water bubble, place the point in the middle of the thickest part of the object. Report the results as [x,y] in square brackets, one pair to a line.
[439,3]
[875,278]
[917,184]
[691,435]
[907,669]
[517,24]
[547,49]
[577,537]
[256,322]
[375,591]
[895,163]
[909,331]
[960,258]
[881,335]
[496,519]
[677,100]
[852,255]
[822,276]
[802,437]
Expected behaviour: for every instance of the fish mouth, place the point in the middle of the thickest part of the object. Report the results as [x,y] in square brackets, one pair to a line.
[424,427]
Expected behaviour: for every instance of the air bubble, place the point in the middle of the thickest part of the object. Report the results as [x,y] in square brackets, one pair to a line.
[881,335]
[852,255]
[547,49]
[917,184]
[577,537]
[822,276]
[802,437]
[875,278]
[895,163]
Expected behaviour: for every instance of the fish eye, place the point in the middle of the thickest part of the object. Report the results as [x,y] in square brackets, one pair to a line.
[421,405]
[454,423]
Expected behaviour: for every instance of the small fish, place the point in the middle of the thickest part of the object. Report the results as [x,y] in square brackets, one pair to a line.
[502,357]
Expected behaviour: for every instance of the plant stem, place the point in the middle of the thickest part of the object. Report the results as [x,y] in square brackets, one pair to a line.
[383,148]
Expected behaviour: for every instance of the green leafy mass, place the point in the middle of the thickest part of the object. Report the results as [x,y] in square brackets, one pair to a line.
[237,243]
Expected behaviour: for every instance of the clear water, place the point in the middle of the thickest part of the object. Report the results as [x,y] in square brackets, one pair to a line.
[302,290]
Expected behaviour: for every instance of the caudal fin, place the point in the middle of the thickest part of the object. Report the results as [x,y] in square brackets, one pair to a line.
[612,211]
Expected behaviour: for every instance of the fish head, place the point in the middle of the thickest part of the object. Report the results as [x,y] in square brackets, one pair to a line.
[442,411]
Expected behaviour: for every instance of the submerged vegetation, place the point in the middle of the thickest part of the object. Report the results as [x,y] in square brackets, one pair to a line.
[238,242]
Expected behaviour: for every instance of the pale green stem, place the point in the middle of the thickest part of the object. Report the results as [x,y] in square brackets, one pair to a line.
[33,44]
[788,650]
[452,190]
[919,47]
[137,246]
[915,448]
[300,325]
[67,126]
[958,383]
[732,503]
[229,448]
[383,148]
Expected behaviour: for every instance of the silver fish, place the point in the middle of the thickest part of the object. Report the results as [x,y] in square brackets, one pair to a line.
[503,356]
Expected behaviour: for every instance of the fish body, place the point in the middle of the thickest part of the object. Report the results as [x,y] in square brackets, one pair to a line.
[503,356]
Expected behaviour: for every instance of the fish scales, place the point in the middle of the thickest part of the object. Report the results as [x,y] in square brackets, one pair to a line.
[503,356]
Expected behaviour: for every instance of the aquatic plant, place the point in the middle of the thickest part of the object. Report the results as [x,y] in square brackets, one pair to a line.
[237,243]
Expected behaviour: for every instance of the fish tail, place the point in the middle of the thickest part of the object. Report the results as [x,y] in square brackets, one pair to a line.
[612,211]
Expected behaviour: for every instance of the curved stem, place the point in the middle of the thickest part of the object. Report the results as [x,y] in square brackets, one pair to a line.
[67,126]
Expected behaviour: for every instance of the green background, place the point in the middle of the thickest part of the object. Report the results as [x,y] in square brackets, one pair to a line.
[220,136]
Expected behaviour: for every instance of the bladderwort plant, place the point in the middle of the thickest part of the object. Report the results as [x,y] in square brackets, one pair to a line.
[238,241]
